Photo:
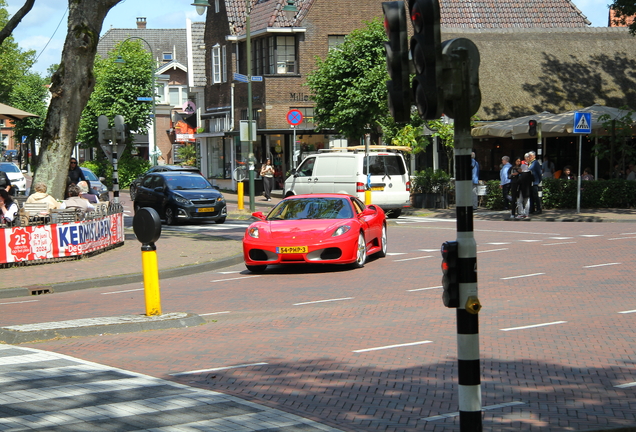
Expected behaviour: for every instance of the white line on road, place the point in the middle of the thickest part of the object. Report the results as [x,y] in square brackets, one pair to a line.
[217,369]
[214,313]
[230,272]
[493,250]
[621,238]
[600,265]
[120,292]
[590,235]
[486,408]
[323,301]
[424,289]
[634,233]
[560,243]
[411,259]
[392,346]
[630,311]
[498,243]
[25,301]
[533,326]
[238,278]
[529,241]
[560,238]
[626,385]
[522,276]
[429,250]
[396,253]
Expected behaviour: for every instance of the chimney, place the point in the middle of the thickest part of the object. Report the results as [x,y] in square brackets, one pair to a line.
[141,22]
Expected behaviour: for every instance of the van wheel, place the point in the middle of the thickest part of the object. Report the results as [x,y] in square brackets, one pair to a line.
[288,194]
[394,214]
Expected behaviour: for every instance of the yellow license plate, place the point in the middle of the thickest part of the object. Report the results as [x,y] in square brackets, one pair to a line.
[292,249]
[206,210]
[377,188]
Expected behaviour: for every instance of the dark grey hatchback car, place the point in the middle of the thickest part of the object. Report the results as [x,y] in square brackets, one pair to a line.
[181,196]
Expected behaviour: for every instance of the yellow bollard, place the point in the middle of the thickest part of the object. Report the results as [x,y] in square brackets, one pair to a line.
[151,279]
[241,206]
[367,196]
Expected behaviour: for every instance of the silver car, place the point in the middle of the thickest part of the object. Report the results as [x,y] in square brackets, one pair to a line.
[96,182]
[15,175]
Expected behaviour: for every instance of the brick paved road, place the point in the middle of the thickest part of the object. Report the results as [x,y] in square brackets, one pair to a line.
[557,351]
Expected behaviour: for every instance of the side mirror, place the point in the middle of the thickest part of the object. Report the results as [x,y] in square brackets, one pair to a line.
[368,211]
[24,171]
[259,215]
[102,179]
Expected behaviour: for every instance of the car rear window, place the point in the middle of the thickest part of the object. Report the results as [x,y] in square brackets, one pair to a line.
[90,175]
[384,165]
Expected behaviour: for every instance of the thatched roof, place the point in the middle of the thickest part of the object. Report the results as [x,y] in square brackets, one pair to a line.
[527,71]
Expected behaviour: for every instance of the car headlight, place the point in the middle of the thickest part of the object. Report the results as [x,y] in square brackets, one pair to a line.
[253,232]
[341,230]
[182,200]
[221,198]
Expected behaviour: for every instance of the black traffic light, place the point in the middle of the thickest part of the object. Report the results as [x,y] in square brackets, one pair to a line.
[450,279]
[532,127]
[426,52]
[397,60]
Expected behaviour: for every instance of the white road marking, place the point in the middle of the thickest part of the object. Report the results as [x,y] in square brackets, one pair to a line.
[238,278]
[15,302]
[424,289]
[214,313]
[529,241]
[533,326]
[555,244]
[486,408]
[621,238]
[601,265]
[590,235]
[634,233]
[522,276]
[429,250]
[392,346]
[499,243]
[218,369]
[626,385]
[396,253]
[493,250]
[230,272]
[120,292]
[411,259]
[560,238]
[626,312]
[323,301]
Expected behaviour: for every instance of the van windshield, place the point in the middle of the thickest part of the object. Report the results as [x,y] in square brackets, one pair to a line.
[384,165]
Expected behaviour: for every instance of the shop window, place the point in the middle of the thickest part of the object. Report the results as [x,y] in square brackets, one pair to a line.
[282,55]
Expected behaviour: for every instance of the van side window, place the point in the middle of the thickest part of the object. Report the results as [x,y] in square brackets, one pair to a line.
[384,165]
[306,169]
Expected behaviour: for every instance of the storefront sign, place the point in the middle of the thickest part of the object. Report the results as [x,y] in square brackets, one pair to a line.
[60,240]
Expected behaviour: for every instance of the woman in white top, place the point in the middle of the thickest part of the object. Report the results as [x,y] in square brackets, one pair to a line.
[267,172]
[8,207]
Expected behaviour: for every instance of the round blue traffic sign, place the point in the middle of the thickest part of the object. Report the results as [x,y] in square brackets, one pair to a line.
[294,117]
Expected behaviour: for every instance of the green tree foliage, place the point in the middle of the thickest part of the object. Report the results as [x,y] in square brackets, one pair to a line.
[188,154]
[14,62]
[617,144]
[117,88]
[625,9]
[349,85]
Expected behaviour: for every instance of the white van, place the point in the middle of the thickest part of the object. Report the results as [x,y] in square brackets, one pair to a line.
[346,172]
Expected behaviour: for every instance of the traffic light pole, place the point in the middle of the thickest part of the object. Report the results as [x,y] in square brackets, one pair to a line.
[468,362]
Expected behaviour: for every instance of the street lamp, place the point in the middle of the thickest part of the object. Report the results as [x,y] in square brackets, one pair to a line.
[201,5]
[121,62]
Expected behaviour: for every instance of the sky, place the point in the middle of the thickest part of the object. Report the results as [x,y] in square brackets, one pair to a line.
[39,30]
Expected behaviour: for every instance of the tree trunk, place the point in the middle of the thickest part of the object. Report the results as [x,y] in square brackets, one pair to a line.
[71,87]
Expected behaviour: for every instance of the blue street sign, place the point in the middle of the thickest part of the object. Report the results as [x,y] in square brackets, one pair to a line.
[294,117]
[582,123]
[144,99]
[240,77]
[257,78]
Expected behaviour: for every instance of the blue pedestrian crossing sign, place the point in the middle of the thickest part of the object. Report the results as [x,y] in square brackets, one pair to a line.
[582,122]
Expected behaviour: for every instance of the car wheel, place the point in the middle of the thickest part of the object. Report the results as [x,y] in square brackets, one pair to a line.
[170,217]
[220,221]
[256,268]
[361,255]
[382,252]
[394,214]
[133,192]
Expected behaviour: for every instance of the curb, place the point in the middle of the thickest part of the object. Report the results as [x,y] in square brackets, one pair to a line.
[119,280]
[88,327]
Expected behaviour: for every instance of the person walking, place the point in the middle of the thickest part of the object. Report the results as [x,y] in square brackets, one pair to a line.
[504,183]
[267,172]
[475,167]
[535,169]
[525,188]
[513,175]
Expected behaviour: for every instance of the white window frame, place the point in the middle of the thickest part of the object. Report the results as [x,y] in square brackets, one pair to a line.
[216,64]
[224,63]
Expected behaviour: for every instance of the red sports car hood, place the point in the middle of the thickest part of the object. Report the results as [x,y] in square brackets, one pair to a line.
[305,227]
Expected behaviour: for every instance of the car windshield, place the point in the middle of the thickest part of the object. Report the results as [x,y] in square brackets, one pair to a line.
[185,182]
[90,175]
[9,168]
[312,208]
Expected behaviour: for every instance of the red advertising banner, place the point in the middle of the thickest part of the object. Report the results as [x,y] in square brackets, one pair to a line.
[60,240]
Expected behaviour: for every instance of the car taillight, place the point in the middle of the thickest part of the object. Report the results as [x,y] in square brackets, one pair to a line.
[360,187]
[408,186]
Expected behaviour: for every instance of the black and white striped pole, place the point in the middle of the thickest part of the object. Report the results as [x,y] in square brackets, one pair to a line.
[461,100]
[113,142]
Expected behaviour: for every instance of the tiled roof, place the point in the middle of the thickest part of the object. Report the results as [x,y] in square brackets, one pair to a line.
[479,14]
[511,14]
[198,54]
[161,41]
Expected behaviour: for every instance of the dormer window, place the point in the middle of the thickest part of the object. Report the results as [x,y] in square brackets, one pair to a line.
[167,56]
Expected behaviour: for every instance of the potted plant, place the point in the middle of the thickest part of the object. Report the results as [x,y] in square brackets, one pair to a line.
[430,188]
